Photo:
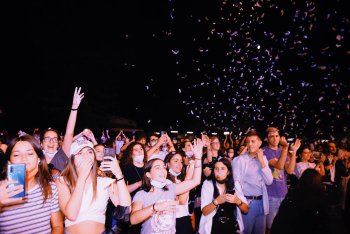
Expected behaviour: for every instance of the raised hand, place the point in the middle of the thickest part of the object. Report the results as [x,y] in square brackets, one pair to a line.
[283,142]
[77,97]
[205,140]
[296,145]
[111,164]
[197,147]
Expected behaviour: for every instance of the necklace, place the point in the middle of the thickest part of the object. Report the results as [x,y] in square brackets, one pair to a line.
[137,172]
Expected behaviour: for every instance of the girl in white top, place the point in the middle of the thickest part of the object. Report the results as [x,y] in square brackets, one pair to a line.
[305,164]
[83,197]
[221,204]
[177,173]
[155,206]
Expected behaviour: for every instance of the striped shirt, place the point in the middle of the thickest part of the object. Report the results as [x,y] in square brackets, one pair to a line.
[33,216]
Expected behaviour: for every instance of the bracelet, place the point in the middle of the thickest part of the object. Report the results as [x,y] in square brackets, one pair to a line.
[198,159]
[120,179]
[214,203]
[240,203]
[74,109]
[154,209]
[198,166]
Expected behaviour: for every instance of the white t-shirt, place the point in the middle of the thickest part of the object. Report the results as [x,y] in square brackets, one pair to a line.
[302,166]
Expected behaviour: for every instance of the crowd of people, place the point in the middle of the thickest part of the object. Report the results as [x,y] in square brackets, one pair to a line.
[154,183]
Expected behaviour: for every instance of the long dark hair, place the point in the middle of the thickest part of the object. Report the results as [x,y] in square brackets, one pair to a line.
[43,177]
[126,159]
[167,159]
[146,182]
[310,192]
[229,183]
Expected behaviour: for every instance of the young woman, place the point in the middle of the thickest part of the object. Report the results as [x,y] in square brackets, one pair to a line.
[83,196]
[39,211]
[132,164]
[304,163]
[221,204]
[155,205]
[177,173]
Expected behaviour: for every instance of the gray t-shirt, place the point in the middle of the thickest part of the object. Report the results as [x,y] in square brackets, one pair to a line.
[60,160]
[161,222]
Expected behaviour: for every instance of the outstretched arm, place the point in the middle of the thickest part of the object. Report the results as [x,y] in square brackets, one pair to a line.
[68,137]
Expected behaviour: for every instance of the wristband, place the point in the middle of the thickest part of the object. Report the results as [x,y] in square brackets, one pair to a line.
[120,179]
[154,209]
[74,109]
[240,203]
[214,203]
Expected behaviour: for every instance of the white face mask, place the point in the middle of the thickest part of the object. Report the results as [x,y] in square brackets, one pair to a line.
[50,155]
[139,158]
[160,185]
[189,154]
[153,143]
[230,155]
[174,173]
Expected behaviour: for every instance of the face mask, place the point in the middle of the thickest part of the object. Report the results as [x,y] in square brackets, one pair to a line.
[230,155]
[174,173]
[153,143]
[160,185]
[50,155]
[189,154]
[139,158]
[164,149]
[222,181]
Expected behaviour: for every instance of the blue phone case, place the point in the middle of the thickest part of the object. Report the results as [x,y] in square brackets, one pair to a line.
[17,172]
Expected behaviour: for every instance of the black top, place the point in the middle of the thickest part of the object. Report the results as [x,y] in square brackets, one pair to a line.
[296,217]
[132,174]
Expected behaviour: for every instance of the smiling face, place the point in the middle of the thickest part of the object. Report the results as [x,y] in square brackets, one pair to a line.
[50,142]
[176,163]
[99,152]
[23,152]
[158,171]
[215,144]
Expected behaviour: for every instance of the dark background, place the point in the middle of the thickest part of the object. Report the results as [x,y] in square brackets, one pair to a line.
[144,61]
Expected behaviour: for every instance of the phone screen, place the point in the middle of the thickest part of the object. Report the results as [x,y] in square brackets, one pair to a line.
[109,152]
[17,172]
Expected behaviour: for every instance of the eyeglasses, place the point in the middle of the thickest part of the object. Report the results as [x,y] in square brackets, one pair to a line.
[48,139]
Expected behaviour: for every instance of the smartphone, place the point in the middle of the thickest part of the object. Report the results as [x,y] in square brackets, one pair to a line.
[17,172]
[108,152]
[226,133]
[162,133]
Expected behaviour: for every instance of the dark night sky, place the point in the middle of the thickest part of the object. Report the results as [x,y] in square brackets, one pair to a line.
[185,65]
